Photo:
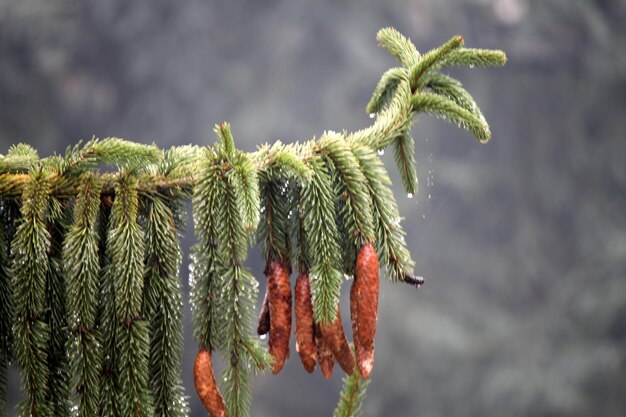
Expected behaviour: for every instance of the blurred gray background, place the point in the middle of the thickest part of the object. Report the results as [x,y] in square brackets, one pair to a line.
[522,240]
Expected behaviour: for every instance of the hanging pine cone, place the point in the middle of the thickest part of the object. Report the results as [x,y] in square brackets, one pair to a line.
[305,327]
[324,354]
[364,307]
[336,338]
[279,299]
[206,386]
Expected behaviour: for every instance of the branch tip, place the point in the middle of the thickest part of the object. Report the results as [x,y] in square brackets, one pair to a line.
[414,280]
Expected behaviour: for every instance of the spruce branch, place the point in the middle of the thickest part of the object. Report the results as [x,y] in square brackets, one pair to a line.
[57,319]
[163,308]
[19,158]
[246,182]
[300,251]
[475,57]
[62,187]
[107,320]
[202,273]
[450,111]
[431,59]
[334,147]
[9,212]
[225,146]
[322,240]
[390,243]
[110,151]
[398,45]
[179,162]
[283,171]
[31,246]
[352,396]
[385,89]
[288,160]
[273,232]
[404,155]
[391,122]
[82,267]
[8,216]
[234,286]
[447,86]
[346,219]
[238,291]
[125,244]
[103,288]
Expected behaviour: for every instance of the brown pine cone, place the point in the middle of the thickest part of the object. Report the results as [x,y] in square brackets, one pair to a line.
[324,354]
[264,316]
[279,297]
[206,386]
[361,356]
[305,328]
[336,338]
[364,296]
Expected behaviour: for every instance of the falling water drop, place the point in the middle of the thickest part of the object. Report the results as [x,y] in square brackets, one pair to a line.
[409,195]
[381,152]
[372,115]
[263,336]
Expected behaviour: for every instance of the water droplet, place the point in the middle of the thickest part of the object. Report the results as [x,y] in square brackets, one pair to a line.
[381,152]
[423,216]
[409,195]
[429,196]
[264,336]
[372,115]
[471,65]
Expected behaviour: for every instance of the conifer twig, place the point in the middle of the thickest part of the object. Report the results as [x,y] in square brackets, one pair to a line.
[98,297]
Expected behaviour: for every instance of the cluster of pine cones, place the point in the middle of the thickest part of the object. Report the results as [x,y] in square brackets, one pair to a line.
[315,342]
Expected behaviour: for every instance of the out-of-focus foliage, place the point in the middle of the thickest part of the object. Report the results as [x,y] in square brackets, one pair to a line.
[523,241]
